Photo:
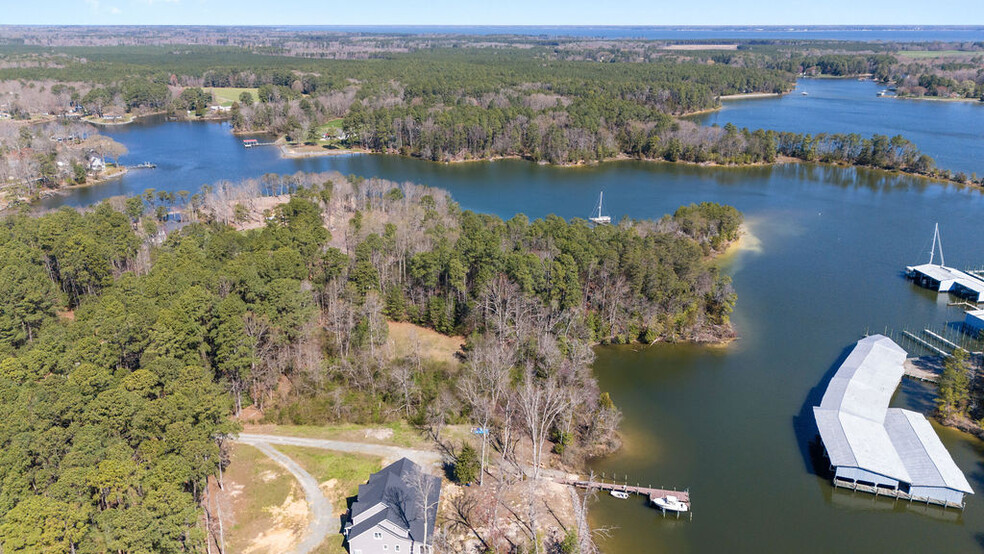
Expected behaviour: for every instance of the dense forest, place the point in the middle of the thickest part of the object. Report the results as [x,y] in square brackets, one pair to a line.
[126,343]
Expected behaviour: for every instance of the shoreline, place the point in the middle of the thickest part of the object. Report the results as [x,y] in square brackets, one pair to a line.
[289,152]
[60,191]
[748,95]
[728,97]
[938,99]
[293,152]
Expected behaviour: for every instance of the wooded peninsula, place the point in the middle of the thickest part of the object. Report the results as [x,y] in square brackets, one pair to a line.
[127,343]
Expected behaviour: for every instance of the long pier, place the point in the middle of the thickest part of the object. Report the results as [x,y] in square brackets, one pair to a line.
[650,493]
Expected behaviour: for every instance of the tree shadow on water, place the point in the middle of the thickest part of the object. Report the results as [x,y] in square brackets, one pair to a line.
[805,425]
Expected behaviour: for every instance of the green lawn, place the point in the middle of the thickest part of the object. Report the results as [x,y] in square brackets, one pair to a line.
[333,125]
[345,471]
[225,96]
[925,54]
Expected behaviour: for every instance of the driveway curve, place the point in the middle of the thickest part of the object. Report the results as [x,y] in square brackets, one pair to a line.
[422,457]
[321,520]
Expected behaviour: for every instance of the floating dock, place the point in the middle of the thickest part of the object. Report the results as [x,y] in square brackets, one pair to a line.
[253,143]
[650,493]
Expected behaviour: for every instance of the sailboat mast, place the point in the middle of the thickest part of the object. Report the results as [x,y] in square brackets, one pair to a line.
[601,198]
[937,239]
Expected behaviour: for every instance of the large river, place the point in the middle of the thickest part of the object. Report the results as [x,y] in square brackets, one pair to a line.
[733,423]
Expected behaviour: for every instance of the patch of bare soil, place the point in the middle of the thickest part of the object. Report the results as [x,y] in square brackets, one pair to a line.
[258,210]
[290,520]
[408,339]
[495,516]
[379,434]
[250,414]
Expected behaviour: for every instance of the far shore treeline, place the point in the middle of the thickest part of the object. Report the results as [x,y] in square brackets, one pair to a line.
[126,343]
[454,98]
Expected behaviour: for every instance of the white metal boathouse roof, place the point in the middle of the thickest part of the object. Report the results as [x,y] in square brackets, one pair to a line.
[859,430]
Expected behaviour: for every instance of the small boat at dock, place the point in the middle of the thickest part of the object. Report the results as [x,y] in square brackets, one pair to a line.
[670,503]
[620,494]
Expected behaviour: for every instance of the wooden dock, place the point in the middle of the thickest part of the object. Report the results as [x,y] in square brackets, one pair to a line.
[649,492]
[253,143]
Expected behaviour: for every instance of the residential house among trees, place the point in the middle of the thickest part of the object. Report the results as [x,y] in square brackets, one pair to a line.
[395,511]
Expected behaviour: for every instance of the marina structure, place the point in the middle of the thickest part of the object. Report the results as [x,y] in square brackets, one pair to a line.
[974,320]
[882,450]
[941,278]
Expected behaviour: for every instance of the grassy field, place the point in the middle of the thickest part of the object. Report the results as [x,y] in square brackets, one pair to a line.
[431,345]
[396,433]
[257,486]
[339,473]
[925,54]
[225,96]
[335,126]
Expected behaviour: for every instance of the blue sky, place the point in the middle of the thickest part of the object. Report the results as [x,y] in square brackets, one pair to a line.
[493,12]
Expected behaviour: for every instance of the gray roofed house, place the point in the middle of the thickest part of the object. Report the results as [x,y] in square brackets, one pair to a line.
[388,516]
[874,448]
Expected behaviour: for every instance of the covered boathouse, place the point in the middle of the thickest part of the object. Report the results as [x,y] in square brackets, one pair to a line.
[941,278]
[882,450]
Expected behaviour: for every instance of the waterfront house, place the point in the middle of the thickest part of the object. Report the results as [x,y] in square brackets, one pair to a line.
[388,516]
[882,450]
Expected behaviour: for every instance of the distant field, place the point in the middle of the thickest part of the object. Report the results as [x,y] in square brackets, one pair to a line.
[923,54]
[335,125]
[701,47]
[225,96]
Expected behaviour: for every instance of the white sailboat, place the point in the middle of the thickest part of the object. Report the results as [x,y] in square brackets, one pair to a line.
[600,219]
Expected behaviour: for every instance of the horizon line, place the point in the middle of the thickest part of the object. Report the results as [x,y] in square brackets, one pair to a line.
[855,26]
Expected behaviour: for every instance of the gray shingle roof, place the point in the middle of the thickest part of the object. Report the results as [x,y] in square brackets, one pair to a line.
[403,508]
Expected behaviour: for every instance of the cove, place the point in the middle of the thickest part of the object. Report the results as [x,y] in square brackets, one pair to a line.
[731,423]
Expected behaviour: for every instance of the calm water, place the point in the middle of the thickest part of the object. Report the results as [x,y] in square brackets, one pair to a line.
[951,132]
[688,32]
[732,424]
